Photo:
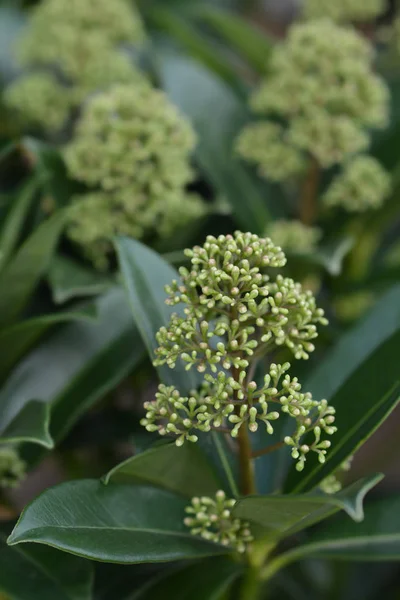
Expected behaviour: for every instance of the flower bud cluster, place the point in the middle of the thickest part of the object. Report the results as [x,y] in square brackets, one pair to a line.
[79,41]
[294,236]
[212,519]
[321,83]
[363,185]
[12,468]
[235,313]
[344,10]
[133,147]
[331,484]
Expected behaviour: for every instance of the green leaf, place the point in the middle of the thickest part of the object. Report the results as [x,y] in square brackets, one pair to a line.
[198,45]
[377,538]
[359,379]
[69,280]
[181,470]
[30,425]
[249,41]
[209,579]
[145,274]
[15,341]
[14,221]
[194,90]
[114,523]
[20,276]
[88,360]
[39,573]
[281,516]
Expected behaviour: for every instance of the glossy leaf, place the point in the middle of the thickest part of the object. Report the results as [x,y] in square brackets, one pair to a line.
[32,424]
[359,379]
[21,275]
[114,523]
[88,360]
[69,280]
[194,90]
[377,538]
[196,43]
[281,516]
[209,579]
[17,340]
[13,223]
[181,470]
[145,274]
[39,573]
[242,36]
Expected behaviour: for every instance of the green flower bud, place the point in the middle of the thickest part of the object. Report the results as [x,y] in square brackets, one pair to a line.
[363,185]
[12,468]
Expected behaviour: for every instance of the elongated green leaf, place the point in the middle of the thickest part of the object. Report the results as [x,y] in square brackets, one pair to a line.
[69,280]
[21,275]
[88,360]
[145,274]
[30,425]
[209,579]
[359,379]
[281,516]
[195,90]
[15,341]
[40,573]
[11,228]
[180,470]
[196,43]
[377,538]
[113,523]
[250,43]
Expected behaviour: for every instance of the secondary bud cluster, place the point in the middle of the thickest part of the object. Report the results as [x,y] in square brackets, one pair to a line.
[294,236]
[331,484]
[236,313]
[73,46]
[133,147]
[322,85]
[12,468]
[212,520]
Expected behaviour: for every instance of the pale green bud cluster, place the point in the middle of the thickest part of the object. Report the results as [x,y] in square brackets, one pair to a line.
[294,236]
[75,45]
[344,10]
[321,83]
[238,403]
[363,185]
[212,519]
[267,146]
[235,313]
[133,148]
[331,484]
[41,99]
[12,467]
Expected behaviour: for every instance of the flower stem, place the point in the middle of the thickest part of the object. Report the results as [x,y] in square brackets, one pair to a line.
[267,449]
[308,206]
[247,483]
[251,586]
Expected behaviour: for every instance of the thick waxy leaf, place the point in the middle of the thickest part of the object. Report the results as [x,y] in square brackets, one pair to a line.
[243,37]
[359,379]
[30,425]
[21,275]
[195,90]
[11,228]
[15,341]
[181,470]
[281,516]
[145,274]
[113,523]
[209,579]
[39,573]
[88,360]
[377,538]
[69,280]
